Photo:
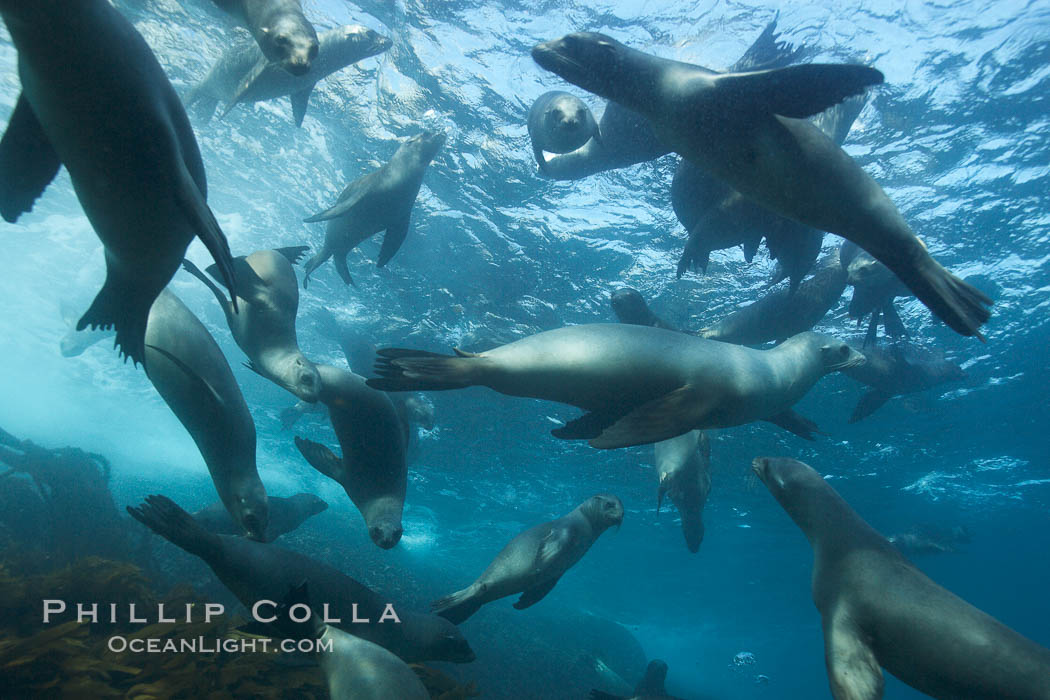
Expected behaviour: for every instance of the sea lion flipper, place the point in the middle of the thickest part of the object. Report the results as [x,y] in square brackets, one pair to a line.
[660,419]
[872,336]
[533,595]
[28,162]
[246,84]
[586,427]
[294,253]
[213,270]
[795,423]
[853,669]
[868,404]
[891,321]
[300,101]
[393,238]
[341,268]
[320,458]
[796,91]
[202,222]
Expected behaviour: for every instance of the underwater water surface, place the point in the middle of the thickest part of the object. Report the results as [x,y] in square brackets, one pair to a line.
[958,136]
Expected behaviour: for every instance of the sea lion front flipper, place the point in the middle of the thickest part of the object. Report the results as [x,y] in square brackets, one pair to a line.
[871,338]
[587,426]
[660,419]
[868,404]
[251,286]
[891,321]
[246,84]
[339,260]
[798,91]
[28,162]
[294,253]
[320,458]
[393,238]
[300,101]
[212,270]
[533,595]
[853,670]
[795,423]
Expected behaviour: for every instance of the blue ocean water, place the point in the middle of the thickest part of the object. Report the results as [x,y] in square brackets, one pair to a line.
[958,137]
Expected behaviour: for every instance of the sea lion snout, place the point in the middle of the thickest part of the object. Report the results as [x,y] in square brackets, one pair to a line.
[386,535]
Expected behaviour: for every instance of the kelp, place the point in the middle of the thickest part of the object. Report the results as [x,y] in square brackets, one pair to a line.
[70,659]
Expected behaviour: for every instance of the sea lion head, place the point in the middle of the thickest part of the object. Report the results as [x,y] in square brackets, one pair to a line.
[603,511]
[426,145]
[587,59]
[784,476]
[302,378]
[385,528]
[291,43]
[251,509]
[420,411]
[363,41]
[568,124]
[630,307]
[835,354]
[443,641]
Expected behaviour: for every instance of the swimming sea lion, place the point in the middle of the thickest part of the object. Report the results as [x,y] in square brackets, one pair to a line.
[372,469]
[532,562]
[780,314]
[683,465]
[191,374]
[281,30]
[286,514]
[263,319]
[899,370]
[874,291]
[232,80]
[637,384]
[379,201]
[75,342]
[749,130]
[630,307]
[354,668]
[559,123]
[628,138]
[254,571]
[95,99]
[879,610]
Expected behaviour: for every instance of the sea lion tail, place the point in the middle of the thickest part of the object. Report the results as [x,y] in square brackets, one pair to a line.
[959,304]
[167,519]
[457,607]
[401,369]
[122,309]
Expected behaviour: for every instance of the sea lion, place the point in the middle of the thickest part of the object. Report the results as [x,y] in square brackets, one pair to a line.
[780,314]
[232,81]
[874,290]
[532,562]
[630,307]
[372,469]
[281,30]
[899,370]
[354,668]
[379,201]
[650,687]
[95,99]
[286,514]
[716,216]
[627,138]
[75,342]
[637,384]
[683,465]
[749,130]
[560,123]
[879,610]
[191,374]
[253,571]
[264,325]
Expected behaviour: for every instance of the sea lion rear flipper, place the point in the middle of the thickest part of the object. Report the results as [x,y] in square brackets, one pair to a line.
[300,101]
[457,606]
[393,238]
[587,426]
[339,260]
[533,595]
[868,404]
[213,271]
[798,91]
[250,285]
[115,306]
[660,419]
[320,458]
[202,222]
[294,253]
[795,423]
[853,670]
[28,162]
[167,519]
